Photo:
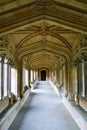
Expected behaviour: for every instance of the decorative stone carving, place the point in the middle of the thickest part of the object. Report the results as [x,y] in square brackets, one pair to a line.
[83,40]
[3,42]
[81,50]
[41,5]
[76,99]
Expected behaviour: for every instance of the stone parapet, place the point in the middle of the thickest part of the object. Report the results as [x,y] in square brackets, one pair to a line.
[79,119]
[10,115]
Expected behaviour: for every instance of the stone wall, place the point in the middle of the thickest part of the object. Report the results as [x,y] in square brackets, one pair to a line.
[79,119]
[4,104]
[8,118]
[73,82]
[83,104]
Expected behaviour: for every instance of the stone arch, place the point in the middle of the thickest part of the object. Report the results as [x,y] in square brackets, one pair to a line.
[43,70]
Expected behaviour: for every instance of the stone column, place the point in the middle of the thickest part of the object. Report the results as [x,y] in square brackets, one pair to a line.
[54,76]
[20,80]
[36,75]
[9,79]
[86,77]
[50,75]
[29,77]
[57,75]
[78,79]
[66,79]
[83,78]
[2,78]
[33,76]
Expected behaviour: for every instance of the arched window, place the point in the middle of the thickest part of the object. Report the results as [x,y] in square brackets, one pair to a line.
[8,78]
[3,76]
[0,76]
[5,65]
[25,77]
[14,81]
[34,75]
[31,73]
[83,79]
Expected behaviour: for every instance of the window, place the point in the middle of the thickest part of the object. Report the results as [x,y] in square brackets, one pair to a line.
[5,78]
[34,75]
[14,81]
[83,79]
[31,73]
[25,77]
[0,78]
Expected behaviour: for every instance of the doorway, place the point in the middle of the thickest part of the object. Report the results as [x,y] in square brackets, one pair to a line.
[43,75]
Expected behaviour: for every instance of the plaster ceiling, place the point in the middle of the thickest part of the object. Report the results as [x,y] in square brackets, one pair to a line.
[43,31]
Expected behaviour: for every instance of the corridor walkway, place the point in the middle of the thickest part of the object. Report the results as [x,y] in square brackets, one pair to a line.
[43,110]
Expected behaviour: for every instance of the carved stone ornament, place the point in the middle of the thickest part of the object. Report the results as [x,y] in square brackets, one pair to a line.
[41,5]
[3,42]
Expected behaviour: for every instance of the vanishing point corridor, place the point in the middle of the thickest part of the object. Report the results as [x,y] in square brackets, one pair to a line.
[44,110]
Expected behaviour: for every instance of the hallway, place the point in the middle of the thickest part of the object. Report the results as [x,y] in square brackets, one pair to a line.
[43,110]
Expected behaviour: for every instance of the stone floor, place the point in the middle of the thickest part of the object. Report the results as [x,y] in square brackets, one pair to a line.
[43,110]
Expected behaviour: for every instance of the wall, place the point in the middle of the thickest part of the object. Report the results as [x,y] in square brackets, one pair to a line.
[4,104]
[73,81]
[10,115]
[83,104]
[79,119]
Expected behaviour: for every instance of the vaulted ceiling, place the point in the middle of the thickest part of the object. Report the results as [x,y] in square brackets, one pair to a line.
[43,32]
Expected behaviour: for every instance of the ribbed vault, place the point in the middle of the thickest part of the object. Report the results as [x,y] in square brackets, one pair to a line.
[44,32]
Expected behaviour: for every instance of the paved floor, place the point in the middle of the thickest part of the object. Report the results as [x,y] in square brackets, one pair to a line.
[43,110]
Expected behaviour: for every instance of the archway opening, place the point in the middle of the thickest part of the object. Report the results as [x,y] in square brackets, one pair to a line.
[43,75]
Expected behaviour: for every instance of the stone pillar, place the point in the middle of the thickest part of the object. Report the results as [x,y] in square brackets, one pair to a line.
[66,79]
[79,80]
[62,75]
[20,80]
[29,77]
[2,78]
[36,75]
[9,79]
[52,75]
[83,78]
[33,76]
[49,74]
[57,75]
[86,77]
